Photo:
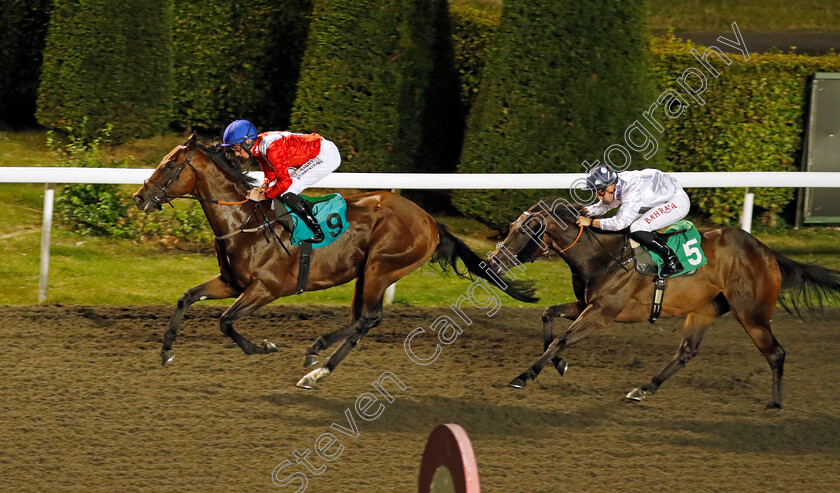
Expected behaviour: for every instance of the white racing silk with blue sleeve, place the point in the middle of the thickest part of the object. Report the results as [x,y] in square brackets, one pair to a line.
[647,199]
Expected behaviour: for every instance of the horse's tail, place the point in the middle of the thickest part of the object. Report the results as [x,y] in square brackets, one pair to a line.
[806,285]
[450,249]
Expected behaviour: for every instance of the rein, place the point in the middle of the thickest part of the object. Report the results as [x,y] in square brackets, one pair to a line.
[573,243]
[167,197]
[266,224]
[623,249]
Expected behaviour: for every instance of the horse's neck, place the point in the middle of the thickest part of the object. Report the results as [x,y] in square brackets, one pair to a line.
[215,184]
[595,252]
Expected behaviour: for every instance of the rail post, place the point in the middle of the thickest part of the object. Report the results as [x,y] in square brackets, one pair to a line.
[46,229]
[746,215]
[391,290]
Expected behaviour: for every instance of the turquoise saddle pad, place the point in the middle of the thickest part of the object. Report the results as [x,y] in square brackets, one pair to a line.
[686,244]
[331,213]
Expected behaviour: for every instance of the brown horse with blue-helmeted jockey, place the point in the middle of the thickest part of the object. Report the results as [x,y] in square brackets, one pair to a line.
[387,238]
[742,276]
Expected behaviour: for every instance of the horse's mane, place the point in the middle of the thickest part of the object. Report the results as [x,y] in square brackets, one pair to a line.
[565,214]
[223,159]
[560,210]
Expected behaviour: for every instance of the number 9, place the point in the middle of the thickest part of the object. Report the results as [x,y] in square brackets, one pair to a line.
[334,222]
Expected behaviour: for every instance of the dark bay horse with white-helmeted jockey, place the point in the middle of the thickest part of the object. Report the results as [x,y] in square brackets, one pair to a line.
[743,276]
[388,237]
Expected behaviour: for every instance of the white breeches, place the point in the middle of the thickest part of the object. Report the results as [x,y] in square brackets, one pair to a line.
[312,171]
[663,214]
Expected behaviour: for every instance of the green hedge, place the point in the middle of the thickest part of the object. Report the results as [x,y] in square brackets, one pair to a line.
[472,33]
[563,80]
[232,62]
[753,120]
[107,62]
[21,45]
[365,81]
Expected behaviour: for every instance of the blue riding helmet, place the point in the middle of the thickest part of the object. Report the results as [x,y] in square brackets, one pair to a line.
[238,132]
[601,176]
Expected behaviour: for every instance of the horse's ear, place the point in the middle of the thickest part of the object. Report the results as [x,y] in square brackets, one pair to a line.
[191,142]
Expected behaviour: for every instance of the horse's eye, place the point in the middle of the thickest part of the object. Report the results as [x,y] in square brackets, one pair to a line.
[169,166]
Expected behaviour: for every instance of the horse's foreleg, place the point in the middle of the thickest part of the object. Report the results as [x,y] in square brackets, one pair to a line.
[214,289]
[255,296]
[570,311]
[693,330]
[593,317]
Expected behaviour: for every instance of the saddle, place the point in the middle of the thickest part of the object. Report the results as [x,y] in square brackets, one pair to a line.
[330,211]
[683,238]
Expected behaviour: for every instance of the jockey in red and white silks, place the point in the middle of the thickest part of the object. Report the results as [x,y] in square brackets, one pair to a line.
[290,161]
[648,200]
[293,162]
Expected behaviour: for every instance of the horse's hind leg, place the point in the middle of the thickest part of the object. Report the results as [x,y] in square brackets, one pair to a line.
[693,330]
[759,330]
[371,317]
[367,305]
[255,296]
[327,340]
[753,305]
[214,289]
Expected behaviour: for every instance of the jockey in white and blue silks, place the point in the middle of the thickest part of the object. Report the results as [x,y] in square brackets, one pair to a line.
[647,199]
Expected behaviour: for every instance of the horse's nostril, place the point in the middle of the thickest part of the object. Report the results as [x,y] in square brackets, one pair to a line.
[138,199]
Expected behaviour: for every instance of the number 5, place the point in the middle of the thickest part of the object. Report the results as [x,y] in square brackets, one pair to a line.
[692,253]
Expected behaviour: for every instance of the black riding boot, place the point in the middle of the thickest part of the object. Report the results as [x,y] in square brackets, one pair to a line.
[300,207]
[671,263]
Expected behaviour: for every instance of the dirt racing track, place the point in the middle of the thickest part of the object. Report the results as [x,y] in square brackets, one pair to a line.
[86,405]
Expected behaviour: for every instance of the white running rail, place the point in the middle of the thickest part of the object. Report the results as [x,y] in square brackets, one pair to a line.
[411,181]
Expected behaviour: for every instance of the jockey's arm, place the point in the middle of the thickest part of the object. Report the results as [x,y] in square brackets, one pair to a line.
[627,213]
[600,208]
[278,156]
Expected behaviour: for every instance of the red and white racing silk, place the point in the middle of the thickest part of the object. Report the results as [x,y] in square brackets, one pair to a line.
[647,199]
[277,152]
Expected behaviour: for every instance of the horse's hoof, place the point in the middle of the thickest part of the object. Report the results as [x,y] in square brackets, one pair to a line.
[636,394]
[310,380]
[309,360]
[772,405]
[561,367]
[270,347]
[167,356]
[517,383]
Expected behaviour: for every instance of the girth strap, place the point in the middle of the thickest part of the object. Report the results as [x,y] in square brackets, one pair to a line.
[303,269]
[658,294]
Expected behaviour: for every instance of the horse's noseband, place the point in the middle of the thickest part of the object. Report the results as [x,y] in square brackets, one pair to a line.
[167,198]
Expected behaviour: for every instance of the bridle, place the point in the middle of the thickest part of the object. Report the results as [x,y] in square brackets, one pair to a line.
[526,253]
[167,197]
[529,249]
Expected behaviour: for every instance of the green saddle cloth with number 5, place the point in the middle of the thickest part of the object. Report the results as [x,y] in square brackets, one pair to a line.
[331,213]
[683,238]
